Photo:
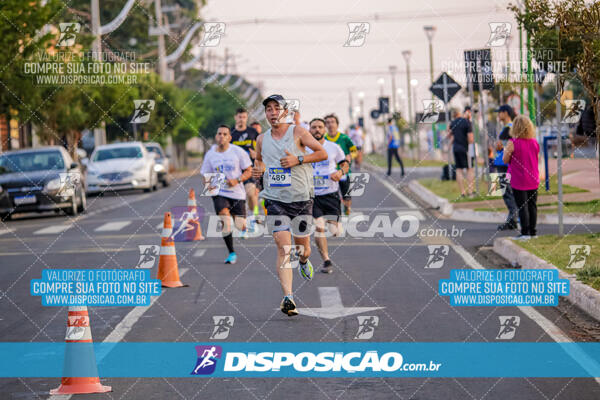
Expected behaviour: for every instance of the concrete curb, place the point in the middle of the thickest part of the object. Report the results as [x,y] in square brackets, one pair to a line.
[443,205]
[407,170]
[466,214]
[581,295]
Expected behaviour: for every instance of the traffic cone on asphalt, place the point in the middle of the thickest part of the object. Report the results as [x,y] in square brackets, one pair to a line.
[168,272]
[193,234]
[80,358]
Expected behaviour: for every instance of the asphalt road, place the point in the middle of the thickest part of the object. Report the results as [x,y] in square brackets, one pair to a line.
[386,273]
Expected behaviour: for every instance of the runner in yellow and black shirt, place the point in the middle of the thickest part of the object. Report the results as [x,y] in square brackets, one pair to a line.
[244,136]
[342,140]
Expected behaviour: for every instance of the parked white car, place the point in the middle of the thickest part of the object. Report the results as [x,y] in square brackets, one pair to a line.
[121,166]
[162,162]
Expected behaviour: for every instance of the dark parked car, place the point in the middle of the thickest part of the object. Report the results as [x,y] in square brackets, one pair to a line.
[40,179]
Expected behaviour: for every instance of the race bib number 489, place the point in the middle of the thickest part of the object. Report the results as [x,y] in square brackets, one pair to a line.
[280,177]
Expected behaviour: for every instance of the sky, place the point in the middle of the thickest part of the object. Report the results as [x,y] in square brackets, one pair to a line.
[298,51]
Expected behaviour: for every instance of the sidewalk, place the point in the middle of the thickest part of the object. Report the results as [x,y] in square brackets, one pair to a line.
[578,172]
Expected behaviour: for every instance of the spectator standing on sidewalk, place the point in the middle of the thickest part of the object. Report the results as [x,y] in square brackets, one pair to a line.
[393,140]
[461,134]
[521,154]
[506,115]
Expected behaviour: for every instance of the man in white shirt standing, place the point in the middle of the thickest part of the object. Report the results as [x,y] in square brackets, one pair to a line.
[327,173]
[235,164]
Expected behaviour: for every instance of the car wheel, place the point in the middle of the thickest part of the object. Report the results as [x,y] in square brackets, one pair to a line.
[83,202]
[73,209]
[165,182]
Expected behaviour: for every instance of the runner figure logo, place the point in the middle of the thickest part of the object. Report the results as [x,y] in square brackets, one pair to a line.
[68,33]
[215,181]
[292,255]
[223,323]
[431,111]
[148,255]
[508,327]
[213,31]
[141,114]
[207,359]
[499,33]
[574,110]
[68,182]
[366,326]
[579,253]
[358,183]
[437,255]
[358,34]
[292,105]
[499,182]
[76,327]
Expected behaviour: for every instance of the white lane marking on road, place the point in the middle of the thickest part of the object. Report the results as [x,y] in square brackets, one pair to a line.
[121,330]
[160,226]
[416,213]
[199,252]
[332,306]
[396,192]
[113,226]
[52,229]
[547,326]
[5,231]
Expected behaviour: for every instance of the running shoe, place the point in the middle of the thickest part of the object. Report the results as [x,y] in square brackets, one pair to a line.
[288,307]
[306,270]
[522,238]
[231,259]
[327,267]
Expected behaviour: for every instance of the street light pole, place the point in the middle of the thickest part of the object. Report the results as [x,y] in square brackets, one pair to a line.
[429,32]
[393,70]
[406,54]
[381,82]
[413,88]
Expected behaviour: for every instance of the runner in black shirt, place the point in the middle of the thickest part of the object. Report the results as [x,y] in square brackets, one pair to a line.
[244,136]
[462,134]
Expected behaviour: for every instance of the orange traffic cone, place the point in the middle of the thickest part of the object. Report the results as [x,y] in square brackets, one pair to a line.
[193,234]
[168,272]
[78,331]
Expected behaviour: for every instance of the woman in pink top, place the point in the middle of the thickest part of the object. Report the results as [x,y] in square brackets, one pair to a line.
[521,155]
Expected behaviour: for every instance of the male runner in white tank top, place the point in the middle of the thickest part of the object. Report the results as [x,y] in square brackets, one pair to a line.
[288,189]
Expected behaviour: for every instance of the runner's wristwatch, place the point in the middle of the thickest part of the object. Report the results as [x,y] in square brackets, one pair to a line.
[300,160]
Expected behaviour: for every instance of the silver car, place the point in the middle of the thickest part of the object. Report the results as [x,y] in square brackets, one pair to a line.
[121,166]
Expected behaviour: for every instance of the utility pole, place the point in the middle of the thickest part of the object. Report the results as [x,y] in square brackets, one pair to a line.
[162,62]
[97,44]
[226,63]
[559,148]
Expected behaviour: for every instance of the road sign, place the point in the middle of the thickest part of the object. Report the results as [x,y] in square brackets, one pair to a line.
[445,88]
[375,114]
[384,105]
[484,56]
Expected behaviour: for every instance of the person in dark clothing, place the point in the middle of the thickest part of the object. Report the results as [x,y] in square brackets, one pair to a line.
[461,134]
[506,115]
[393,139]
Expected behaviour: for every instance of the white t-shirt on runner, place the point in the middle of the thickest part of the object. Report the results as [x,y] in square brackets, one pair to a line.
[322,169]
[232,164]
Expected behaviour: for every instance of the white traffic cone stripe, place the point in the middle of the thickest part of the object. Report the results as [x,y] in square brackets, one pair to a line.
[167,250]
[166,232]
